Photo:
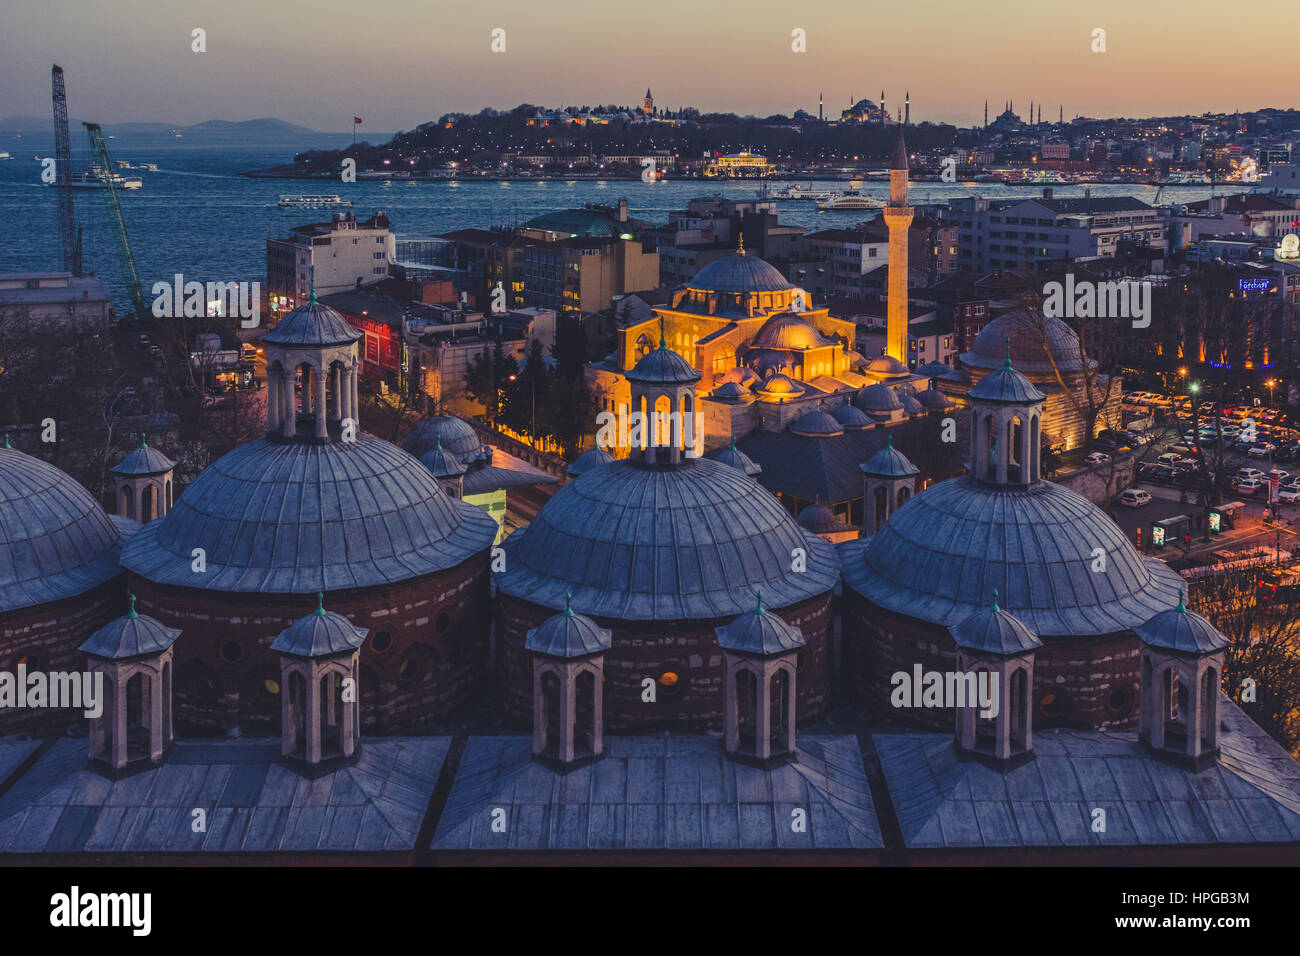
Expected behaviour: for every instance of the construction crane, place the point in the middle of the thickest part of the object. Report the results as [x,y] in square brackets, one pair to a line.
[69,234]
[99,150]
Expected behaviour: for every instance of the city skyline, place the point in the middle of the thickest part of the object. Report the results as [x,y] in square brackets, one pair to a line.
[1154,65]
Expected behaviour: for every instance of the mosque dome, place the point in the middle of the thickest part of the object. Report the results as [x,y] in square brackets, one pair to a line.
[851,417]
[994,631]
[817,424]
[819,519]
[730,392]
[760,632]
[132,635]
[143,461]
[789,332]
[889,462]
[877,399]
[312,325]
[55,539]
[663,366]
[636,543]
[737,459]
[299,518]
[568,635]
[320,634]
[1033,337]
[779,388]
[886,366]
[1182,631]
[1006,386]
[939,557]
[740,272]
[911,406]
[932,398]
[442,463]
[589,459]
[455,434]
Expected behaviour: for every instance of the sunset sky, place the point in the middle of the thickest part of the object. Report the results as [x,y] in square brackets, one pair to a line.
[397,63]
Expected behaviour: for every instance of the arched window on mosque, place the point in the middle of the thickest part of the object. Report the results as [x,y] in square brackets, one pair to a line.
[724,360]
[642,347]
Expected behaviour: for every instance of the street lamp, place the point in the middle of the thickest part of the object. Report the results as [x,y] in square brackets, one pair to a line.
[1270,383]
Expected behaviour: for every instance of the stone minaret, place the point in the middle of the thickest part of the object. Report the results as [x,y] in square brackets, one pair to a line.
[884,117]
[907,108]
[898,217]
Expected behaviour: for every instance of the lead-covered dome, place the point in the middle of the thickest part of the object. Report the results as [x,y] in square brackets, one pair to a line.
[1037,341]
[311,325]
[941,554]
[55,539]
[789,332]
[637,543]
[455,434]
[299,518]
[739,272]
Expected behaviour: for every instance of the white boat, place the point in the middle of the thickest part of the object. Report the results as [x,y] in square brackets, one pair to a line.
[850,200]
[813,195]
[96,178]
[311,201]
[152,167]
[4,155]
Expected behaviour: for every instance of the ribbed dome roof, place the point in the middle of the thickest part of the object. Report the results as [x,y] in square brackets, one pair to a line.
[638,543]
[886,366]
[55,539]
[933,398]
[298,518]
[819,519]
[911,406]
[144,461]
[994,631]
[321,633]
[850,416]
[131,635]
[737,459]
[568,635]
[760,632]
[877,398]
[1033,337]
[1183,631]
[941,554]
[442,463]
[1006,386]
[312,324]
[819,424]
[589,459]
[456,435]
[730,391]
[788,332]
[740,273]
[663,366]
[780,387]
[889,462]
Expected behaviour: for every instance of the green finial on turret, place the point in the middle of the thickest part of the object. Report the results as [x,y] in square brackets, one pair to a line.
[568,606]
[313,285]
[1180,608]
[759,609]
[995,607]
[320,603]
[132,613]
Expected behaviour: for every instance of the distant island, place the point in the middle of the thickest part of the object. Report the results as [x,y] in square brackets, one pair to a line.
[266,126]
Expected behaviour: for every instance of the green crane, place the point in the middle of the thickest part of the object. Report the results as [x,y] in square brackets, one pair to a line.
[99,149]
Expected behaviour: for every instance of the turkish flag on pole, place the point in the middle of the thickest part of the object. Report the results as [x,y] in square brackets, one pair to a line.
[355,120]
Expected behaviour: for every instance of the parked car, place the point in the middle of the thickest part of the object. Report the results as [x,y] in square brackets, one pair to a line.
[1169,459]
[1289,494]
[1250,486]
[1245,446]
[1247,472]
[1097,458]
[1134,498]
[1261,450]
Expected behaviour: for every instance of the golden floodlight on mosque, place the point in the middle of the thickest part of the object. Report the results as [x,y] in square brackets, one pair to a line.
[668,678]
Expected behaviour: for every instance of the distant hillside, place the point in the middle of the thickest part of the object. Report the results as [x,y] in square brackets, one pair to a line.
[267,126]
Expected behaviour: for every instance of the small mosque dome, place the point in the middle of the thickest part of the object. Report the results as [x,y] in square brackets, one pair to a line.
[851,417]
[739,272]
[1006,386]
[731,392]
[877,399]
[319,634]
[442,463]
[911,406]
[1182,631]
[312,325]
[932,398]
[737,459]
[889,462]
[759,632]
[455,434]
[886,366]
[568,634]
[589,459]
[992,630]
[789,332]
[663,366]
[819,519]
[143,461]
[779,388]
[819,424]
[132,635]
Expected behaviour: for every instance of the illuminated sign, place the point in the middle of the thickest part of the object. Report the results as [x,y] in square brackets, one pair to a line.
[1157,536]
[1215,519]
[1254,285]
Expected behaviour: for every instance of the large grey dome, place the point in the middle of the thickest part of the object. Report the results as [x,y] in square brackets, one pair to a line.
[1033,338]
[740,273]
[299,518]
[639,543]
[939,557]
[55,539]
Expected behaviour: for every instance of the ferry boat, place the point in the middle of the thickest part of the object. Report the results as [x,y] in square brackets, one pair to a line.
[96,178]
[795,192]
[4,155]
[313,201]
[850,200]
[152,167]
